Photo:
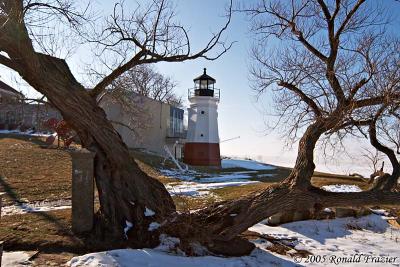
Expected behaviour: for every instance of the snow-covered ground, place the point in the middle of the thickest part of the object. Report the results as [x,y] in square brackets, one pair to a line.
[367,239]
[245,164]
[15,258]
[201,189]
[36,207]
[341,188]
[29,133]
[197,184]
[193,185]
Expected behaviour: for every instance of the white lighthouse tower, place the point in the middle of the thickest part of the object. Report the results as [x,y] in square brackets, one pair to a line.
[202,144]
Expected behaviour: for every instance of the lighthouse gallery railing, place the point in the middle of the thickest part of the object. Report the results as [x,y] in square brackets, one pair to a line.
[192,92]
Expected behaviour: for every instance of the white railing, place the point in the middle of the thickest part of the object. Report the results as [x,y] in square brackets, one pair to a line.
[215,94]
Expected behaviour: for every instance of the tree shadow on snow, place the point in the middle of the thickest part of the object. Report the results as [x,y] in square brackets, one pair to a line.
[321,230]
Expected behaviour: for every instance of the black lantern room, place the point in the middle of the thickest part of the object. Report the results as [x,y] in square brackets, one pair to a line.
[204,85]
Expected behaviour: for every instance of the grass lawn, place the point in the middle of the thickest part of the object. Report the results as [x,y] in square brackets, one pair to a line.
[30,173]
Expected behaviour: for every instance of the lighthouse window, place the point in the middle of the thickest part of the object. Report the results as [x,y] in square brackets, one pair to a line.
[203,84]
[202,112]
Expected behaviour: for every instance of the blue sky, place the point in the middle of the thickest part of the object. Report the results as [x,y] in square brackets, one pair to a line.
[239,113]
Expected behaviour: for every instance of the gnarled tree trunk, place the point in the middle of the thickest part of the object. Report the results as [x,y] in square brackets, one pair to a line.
[304,168]
[387,181]
[124,190]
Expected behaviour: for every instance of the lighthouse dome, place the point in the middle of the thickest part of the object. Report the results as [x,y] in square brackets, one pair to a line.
[204,85]
[204,77]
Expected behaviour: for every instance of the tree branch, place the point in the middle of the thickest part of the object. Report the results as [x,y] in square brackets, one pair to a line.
[325,10]
[303,96]
[306,44]
[330,61]
[8,62]
[348,18]
[373,101]
[148,53]
[106,81]
[392,179]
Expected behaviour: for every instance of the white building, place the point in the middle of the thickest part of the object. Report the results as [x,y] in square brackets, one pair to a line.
[159,125]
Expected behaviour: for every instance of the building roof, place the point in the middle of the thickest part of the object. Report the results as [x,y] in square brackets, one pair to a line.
[6,87]
[204,76]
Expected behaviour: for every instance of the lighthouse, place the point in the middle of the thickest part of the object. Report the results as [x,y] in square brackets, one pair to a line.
[202,143]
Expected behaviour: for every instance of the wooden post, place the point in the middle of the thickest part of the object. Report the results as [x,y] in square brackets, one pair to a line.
[82,190]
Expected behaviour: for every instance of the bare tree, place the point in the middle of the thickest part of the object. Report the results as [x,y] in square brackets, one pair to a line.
[324,92]
[150,34]
[331,66]
[145,80]
[324,75]
[374,158]
[127,92]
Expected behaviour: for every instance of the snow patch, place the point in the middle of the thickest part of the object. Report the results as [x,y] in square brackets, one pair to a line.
[373,236]
[245,164]
[225,178]
[188,175]
[153,226]
[102,259]
[370,235]
[167,243]
[41,206]
[15,258]
[380,212]
[148,212]
[195,186]
[342,188]
[201,189]
[128,226]
[28,133]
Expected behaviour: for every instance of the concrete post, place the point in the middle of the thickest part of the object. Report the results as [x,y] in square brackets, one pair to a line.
[82,190]
[1,242]
[1,202]
[1,251]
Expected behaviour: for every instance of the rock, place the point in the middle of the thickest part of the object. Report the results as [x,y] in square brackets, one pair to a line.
[351,212]
[363,212]
[280,218]
[324,214]
[234,248]
[344,212]
[291,216]
[275,219]
[301,215]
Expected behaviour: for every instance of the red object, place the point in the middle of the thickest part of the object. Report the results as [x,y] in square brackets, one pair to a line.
[50,140]
[202,154]
[68,142]
[51,123]
[63,129]
[64,132]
